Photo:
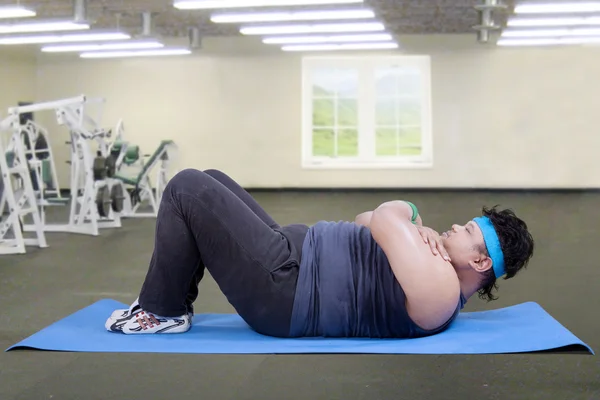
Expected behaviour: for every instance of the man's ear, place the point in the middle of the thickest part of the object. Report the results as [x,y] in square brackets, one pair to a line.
[481,264]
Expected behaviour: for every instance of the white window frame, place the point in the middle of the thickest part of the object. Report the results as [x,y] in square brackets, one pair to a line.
[367,158]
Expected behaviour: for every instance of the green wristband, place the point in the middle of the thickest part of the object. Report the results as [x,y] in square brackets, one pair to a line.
[414,210]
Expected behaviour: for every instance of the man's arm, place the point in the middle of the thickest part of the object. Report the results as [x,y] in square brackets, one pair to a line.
[365,219]
[431,286]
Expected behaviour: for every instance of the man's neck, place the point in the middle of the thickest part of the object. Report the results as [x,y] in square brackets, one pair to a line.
[469,282]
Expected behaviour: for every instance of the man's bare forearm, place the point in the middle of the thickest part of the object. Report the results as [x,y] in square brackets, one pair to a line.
[397,206]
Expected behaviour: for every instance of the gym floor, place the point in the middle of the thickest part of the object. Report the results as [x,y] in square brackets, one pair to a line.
[46,285]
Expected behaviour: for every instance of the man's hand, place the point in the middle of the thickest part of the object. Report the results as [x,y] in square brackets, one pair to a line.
[364,218]
[433,239]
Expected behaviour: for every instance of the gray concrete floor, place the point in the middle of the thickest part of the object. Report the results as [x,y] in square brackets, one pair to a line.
[46,285]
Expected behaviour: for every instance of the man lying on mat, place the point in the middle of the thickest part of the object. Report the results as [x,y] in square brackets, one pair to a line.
[382,276]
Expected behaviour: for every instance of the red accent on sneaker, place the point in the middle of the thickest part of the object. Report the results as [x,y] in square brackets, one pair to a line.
[147,321]
[153,320]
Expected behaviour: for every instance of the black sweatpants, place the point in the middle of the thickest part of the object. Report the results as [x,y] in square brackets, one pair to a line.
[206,220]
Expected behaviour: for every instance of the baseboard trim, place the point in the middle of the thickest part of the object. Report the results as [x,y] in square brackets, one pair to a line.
[66,192]
[426,189]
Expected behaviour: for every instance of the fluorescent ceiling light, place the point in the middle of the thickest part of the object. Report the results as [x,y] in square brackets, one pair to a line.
[50,26]
[125,45]
[66,38]
[208,4]
[562,21]
[317,28]
[293,16]
[345,46]
[551,32]
[548,41]
[565,7]
[138,53]
[16,12]
[376,37]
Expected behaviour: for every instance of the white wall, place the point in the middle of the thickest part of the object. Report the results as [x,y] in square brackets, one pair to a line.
[17,79]
[502,117]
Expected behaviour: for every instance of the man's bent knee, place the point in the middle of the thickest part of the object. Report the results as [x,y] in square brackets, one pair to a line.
[213,172]
[185,178]
[195,183]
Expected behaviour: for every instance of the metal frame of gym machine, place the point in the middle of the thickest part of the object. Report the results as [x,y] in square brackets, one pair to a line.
[33,131]
[84,217]
[21,202]
[149,196]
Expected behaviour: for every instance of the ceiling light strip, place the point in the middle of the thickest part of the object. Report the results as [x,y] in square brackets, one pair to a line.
[137,53]
[63,38]
[555,8]
[377,37]
[293,16]
[548,41]
[548,22]
[313,28]
[211,4]
[126,45]
[339,47]
[551,32]
[42,26]
[16,12]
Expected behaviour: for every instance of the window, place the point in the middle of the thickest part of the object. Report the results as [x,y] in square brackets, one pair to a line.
[366,112]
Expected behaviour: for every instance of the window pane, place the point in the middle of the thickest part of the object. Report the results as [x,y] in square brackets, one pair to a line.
[348,143]
[409,140]
[323,142]
[392,141]
[409,112]
[389,95]
[386,82]
[323,112]
[386,112]
[398,111]
[398,80]
[410,151]
[409,84]
[409,136]
[347,112]
[335,81]
[386,142]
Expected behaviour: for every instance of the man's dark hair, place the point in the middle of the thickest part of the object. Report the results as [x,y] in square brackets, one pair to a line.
[516,243]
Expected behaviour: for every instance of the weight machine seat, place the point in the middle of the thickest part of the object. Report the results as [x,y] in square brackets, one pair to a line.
[57,200]
[134,181]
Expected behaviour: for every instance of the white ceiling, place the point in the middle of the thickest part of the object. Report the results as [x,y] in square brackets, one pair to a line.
[399,16]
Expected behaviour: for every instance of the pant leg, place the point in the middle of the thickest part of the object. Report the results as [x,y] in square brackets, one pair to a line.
[201,221]
[243,195]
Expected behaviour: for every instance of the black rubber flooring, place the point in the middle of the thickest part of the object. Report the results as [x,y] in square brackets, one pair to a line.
[46,285]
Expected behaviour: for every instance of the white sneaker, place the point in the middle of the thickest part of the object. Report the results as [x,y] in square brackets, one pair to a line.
[134,320]
[118,314]
[117,319]
[145,322]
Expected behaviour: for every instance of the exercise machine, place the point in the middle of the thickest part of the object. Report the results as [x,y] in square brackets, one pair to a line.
[94,195]
[141,192]
[41,162]
[17,195]
[137,172]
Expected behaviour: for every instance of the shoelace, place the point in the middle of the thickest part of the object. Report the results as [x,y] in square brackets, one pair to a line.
[147,320]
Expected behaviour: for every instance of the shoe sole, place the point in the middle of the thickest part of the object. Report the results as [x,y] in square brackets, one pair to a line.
[164,331]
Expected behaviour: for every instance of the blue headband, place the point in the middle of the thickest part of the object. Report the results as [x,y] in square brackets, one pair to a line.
[492,243]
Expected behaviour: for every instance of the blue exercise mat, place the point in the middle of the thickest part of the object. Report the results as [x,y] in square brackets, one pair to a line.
[522,328]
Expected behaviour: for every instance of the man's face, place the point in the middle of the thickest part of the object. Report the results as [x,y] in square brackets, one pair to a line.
[463,244]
